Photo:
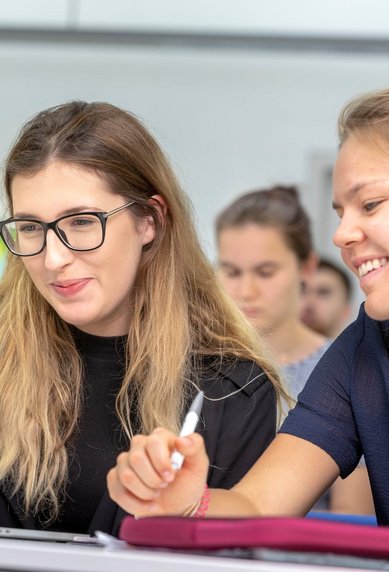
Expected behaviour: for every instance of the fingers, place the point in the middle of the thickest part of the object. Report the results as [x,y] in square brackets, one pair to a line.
[124,498]
[193,449]
[149,458]
[146,467]
[140,474]
[144,482]
[135,483]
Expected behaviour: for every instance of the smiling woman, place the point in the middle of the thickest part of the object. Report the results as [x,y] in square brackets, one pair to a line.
[111,319]
[361,193]
[86,285]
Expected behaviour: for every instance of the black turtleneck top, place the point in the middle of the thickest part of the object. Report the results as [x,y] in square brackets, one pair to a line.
[238,421]
[99,438]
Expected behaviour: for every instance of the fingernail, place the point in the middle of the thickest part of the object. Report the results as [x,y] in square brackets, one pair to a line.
[168,476]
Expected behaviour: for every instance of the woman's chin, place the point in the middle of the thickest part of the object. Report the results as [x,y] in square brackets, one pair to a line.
[376,309]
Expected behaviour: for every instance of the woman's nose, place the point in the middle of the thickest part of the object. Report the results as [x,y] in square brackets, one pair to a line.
[57,254]
[247,287]
[348,232]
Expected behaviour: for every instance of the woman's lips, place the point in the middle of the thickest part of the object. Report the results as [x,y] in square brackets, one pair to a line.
[250,312]
[369,280]
[70,287]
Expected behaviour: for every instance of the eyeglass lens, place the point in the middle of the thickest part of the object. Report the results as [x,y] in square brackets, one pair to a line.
[81,232]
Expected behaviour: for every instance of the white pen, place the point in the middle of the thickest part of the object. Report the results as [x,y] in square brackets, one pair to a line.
[188,427]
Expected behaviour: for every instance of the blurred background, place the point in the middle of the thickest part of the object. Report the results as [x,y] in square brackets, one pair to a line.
[240,94]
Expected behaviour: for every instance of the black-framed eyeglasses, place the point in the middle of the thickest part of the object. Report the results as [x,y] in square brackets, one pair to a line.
[81,231]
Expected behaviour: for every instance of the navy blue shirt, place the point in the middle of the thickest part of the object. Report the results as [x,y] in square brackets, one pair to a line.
[344,406]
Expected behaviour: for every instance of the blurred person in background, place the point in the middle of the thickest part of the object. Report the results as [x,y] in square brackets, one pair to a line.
[326,299]
[265,253]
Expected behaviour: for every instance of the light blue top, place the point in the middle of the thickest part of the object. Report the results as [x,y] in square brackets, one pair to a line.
[297,373]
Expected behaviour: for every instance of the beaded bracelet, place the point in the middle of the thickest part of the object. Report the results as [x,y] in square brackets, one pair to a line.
[203,504]
[199,509]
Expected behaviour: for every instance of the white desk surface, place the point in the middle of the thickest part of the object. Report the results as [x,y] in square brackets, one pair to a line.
[41,556]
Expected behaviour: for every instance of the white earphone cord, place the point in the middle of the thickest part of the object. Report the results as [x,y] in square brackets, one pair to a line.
[233,392]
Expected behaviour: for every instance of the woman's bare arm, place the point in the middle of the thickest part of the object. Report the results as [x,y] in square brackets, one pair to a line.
[353,494]
[287,479]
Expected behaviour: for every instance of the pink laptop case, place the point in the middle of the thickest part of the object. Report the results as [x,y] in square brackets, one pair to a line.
[292,534]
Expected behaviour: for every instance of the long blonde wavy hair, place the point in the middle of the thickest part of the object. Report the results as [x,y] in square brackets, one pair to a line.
[179,312]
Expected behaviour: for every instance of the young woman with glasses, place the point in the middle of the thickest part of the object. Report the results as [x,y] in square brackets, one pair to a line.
[111,319]
[343,410]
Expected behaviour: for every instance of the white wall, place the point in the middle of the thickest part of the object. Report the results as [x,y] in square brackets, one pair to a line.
[347,18]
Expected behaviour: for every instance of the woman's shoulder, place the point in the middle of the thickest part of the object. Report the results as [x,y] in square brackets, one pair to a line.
[360,331]
[237,374]
[362,337]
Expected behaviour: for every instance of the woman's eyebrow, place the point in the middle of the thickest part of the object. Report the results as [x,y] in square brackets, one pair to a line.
[354,190]
[73,210]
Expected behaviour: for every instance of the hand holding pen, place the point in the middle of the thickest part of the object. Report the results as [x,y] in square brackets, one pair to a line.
[148,480]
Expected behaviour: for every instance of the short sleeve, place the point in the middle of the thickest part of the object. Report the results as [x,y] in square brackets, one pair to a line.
[323,414]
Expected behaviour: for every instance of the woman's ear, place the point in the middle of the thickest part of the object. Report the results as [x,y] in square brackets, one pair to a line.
[159,203]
